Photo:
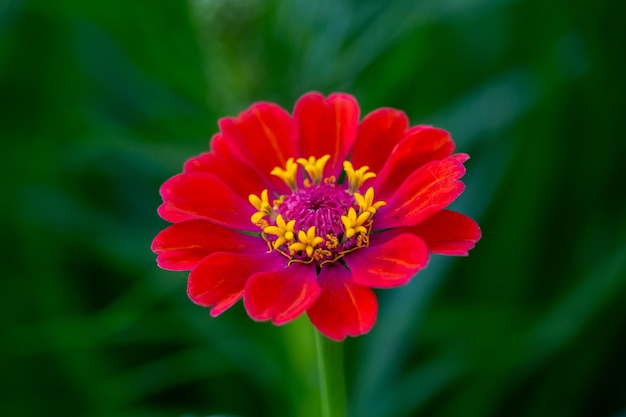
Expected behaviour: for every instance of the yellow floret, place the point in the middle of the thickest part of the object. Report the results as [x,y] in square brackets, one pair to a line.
[366,202]
[262,205]
[354,224]
[356,178]
[314,167]
[284,231]
[306,241]
[288,174]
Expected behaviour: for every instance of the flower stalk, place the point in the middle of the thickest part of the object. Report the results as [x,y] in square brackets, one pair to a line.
[331,376]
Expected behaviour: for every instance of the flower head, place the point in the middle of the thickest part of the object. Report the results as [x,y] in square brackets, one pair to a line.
[308,212]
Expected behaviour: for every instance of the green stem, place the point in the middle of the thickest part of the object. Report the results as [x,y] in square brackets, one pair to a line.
[331,375]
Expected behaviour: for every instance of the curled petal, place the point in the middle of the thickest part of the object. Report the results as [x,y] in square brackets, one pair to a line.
[326,126]
[264,136]
[282,295]
[219,280]
[182,246]
[388,263]
[343,308]
[421,145]
[461,157]
[425,192]
[447,233]
[378,133]
[202,195]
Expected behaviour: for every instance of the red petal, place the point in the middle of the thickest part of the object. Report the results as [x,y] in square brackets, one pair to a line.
[378,133]
[183,245]
[390,263]
[173,214]
[219,280]
[264,136]
[224,164]
[343,308]
[201,195]
[428,190]
[447,233]
[421,145]
[205,162]
[326,126]
[202,162]
[461,157]
[281,296]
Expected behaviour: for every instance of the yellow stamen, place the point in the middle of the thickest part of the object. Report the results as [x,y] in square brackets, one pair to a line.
[314,167]
[307,241]
[354,223]
[366,202]
[331,241]
[278,202]
[263,206]
[283,230]
[320,254]
[356,178]
[362,240]
[288,174]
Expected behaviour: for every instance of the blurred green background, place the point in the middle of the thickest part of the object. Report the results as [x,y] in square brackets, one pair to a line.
[101,101]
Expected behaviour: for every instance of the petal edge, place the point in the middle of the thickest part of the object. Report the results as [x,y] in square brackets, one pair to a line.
[182,246]
[425,192]
[281,296]
[447,233]
[390,263]
[343,307]
[219,280]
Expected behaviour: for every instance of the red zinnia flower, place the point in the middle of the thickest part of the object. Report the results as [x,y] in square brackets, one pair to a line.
[309,212]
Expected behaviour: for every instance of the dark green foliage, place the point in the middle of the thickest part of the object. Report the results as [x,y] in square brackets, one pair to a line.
[101,101]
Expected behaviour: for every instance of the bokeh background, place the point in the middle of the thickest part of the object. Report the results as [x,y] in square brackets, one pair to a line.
[101,101]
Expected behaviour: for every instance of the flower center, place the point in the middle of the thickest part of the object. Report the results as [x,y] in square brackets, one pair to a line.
[319,221]
[320,206]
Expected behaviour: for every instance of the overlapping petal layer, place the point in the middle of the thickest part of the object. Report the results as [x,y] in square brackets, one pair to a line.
[378,134]
[327,126]
[420,145]
[281,295]
[183,245]
[205,196]
[222,162]
[343,307]
[219,280]
[426,191]
[389,261]
[264,136]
